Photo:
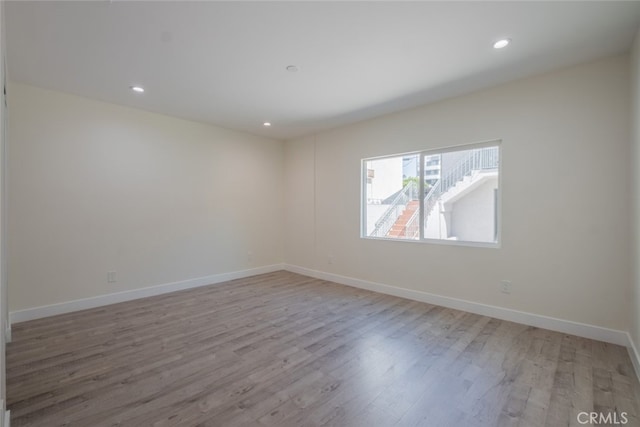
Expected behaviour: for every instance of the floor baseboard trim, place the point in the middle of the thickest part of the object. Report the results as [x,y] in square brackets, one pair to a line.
[559,325]
[83,304]
[634,355]
[5,416]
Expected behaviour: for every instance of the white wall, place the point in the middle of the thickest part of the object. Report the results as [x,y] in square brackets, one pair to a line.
[565,259]
[96,187]
[635,194]
[387,178]
[437,226]
[473,215]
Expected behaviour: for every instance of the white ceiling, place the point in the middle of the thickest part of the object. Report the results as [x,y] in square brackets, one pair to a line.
[224,62]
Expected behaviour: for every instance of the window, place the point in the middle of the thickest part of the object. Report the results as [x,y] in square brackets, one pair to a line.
[450,195]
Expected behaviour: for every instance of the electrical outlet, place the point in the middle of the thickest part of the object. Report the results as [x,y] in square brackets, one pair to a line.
[111,277]
[505,286]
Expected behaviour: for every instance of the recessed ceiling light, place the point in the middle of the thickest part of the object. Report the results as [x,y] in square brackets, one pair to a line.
[292,68]
[266,124]
[138,89]
[501,43]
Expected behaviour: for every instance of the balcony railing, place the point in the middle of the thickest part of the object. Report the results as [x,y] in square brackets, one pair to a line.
[479,159]
[397,206]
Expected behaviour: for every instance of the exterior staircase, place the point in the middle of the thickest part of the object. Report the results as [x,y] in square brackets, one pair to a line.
[467,184]
[399,227]
[462,177]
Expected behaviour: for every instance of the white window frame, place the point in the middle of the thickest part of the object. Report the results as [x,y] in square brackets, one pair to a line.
[363,198]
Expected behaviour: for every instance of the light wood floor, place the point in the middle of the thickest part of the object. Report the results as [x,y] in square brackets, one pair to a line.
[283,349]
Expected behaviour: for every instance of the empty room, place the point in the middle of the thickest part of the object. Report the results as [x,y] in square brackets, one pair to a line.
[319,213]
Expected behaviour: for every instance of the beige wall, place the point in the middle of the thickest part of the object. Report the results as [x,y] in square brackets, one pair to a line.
[565,149]
[96,187]
[635,114]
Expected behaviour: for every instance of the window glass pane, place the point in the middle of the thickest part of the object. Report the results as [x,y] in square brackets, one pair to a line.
[392,201]
[461,196]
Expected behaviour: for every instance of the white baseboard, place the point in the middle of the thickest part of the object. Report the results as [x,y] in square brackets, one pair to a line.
[634,355]
[5,416]
[82,304]
[560,325]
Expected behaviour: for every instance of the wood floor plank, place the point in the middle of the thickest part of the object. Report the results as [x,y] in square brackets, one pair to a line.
[282,349]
